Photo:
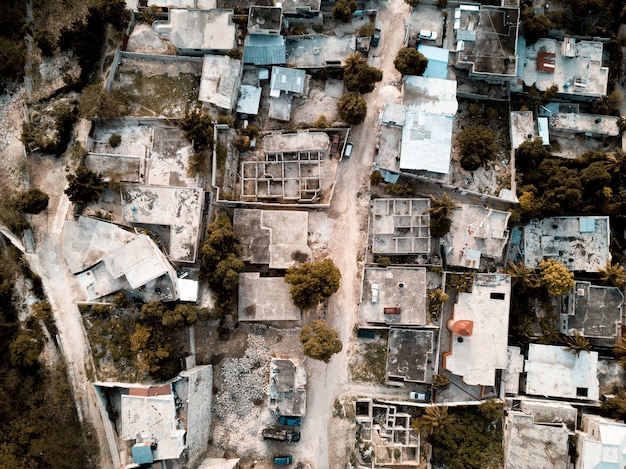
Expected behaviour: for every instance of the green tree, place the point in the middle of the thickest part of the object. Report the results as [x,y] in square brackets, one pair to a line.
[595,176]
[115,140]
[557,279]
[320,341]
[439,227]
[615,407]
[530,154]
[197,126]
[353,61]
[522,275]
[352,109]
[376,178]
[442,207]
[436,417]
[313,283]
[479,141]
[32,201]
[535,26]
[367,30]
[362,78]
[576,343]
[549,94]
[409,61]
[412,3]
[85,186]
[25,349]
[619,349]
[613,274]
[343,10]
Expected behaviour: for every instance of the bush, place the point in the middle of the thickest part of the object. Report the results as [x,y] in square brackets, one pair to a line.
[312,284]
[441,382]
[115,140]
[470,162]
[242,143]
[479,141]
[367,30]
[343,10]
[320,341]
[362,78]
[376,178]
[235,54]
[32,201]
[352,109]
[410,61]
[85,186]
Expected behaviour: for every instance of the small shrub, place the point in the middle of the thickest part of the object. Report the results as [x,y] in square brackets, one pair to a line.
[299,30]
[242,143]
[115,140]
[235,54]
[383,261]
[367,30]
[228,120]
[441,382]
[376,178]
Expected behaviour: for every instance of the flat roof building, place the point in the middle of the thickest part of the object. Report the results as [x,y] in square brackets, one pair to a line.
[575,67]
[317,51]
[601,443]
[276,238]
[522,128]
[485,39]
[219,84]
[592,125]
[287,80]
[430,95]
[479,327]
[287,388]
[579,243]
[555,371]
[594,312]
[265,20]
[400,226]
[249,100]
[476,232]
[199,32]
[410,355]
[394,296]
[265,299]
[437,61]
[264,49]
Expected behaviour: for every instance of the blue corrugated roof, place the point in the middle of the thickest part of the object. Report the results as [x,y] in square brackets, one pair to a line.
[142,454]
[437,61]
[264,49]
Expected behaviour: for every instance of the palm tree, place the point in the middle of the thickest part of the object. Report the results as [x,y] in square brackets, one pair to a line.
[613,162]
[522,274]
[353,61]
[436,417]
[441,207]
[619,349]
[577,343]
[613,274]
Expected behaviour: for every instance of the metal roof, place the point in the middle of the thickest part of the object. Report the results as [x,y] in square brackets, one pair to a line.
[426,142]
[287,79]
[437,61]
[264,50]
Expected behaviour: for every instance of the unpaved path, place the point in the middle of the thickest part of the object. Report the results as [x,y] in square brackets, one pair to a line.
[323,443]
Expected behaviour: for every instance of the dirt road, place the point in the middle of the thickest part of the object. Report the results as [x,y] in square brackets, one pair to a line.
[325,445]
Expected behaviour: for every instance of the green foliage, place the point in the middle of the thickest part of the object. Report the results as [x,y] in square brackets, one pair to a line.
[470,162]
[613,274]
[225,119]
[85,186]
[441,382]
[343,10]
[114,12]
[548,95]
[320,341]
[440,213]
[439,227]
[400,190]
[25,349]
[42,310]
[535,26]
[530,154]
[367,30]
[376,178]
[299,30]
[477,143]
[241,142]
[32,201]
[352,109]
[557,279]
[183,314]
[115,140]
[442,4]
[523,276]
[383,261]
[576,343]
[313,283]
[12,55]
[197,126]
[619,349]
[235,54]
[95,102]
[435,299]
[412,3]
[362,78]
[460,282]
[615,407]
[409,61]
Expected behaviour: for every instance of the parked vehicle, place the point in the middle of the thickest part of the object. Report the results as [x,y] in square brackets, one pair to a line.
[375,38]
[348,150]
[290,421]
[426,34]
[335,144]
[419,396]
[281,434]
[283,460]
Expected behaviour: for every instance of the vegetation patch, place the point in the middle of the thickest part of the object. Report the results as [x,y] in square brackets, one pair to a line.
[371,364]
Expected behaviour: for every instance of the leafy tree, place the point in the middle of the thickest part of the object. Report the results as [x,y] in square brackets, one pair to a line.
[343,10]
[479,141]
[549,94]
[470,162]
[115,140]
[181,315]
[535,26]
[12,56]
[362,78]
[313,283]
[25,349]
[409,61]
[460,282]
[439,227]
[522,275]
[42,310]
[320,341]
[197,126]
[441,382]
[85,186]
[615,407]
[412,3]
[32,201]
[557,279]
[114,12]
[353,61]
[530,154]
[577,343]
[352,109]
[613,274]
[376,178]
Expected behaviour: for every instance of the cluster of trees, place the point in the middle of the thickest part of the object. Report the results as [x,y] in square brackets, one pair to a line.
[467,437]
[409,61]
[358,75]
[343,10]
[12,16]
[478,145]
[38,424]
[197,126]
[313,283]
[440,213]
[13,206]
[52,137]
[592,183]
[552,275]
[220,262]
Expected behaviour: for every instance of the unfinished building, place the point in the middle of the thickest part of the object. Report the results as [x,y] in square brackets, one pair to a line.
[287,388]
[400,226]
[411,355]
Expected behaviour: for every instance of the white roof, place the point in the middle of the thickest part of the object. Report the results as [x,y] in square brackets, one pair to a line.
[431,95]
[477,357]
[219,83]
[522,125]
[426,142]
[557,372]
[187,289]
[605,449]
[139,260]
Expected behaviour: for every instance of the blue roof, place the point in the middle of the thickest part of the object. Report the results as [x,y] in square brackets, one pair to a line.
[142,454]
[437,61]
[264,49]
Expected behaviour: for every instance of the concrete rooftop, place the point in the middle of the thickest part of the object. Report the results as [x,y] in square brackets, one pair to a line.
[196,389]
[522,127]
[277,238]
[430,95]
[589,123]
[580,243]
[477,357]
[398,287]
[557,372]
[594,312]
[219,84]
[314,51]
[410,355]
[265,299]
[400,226]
